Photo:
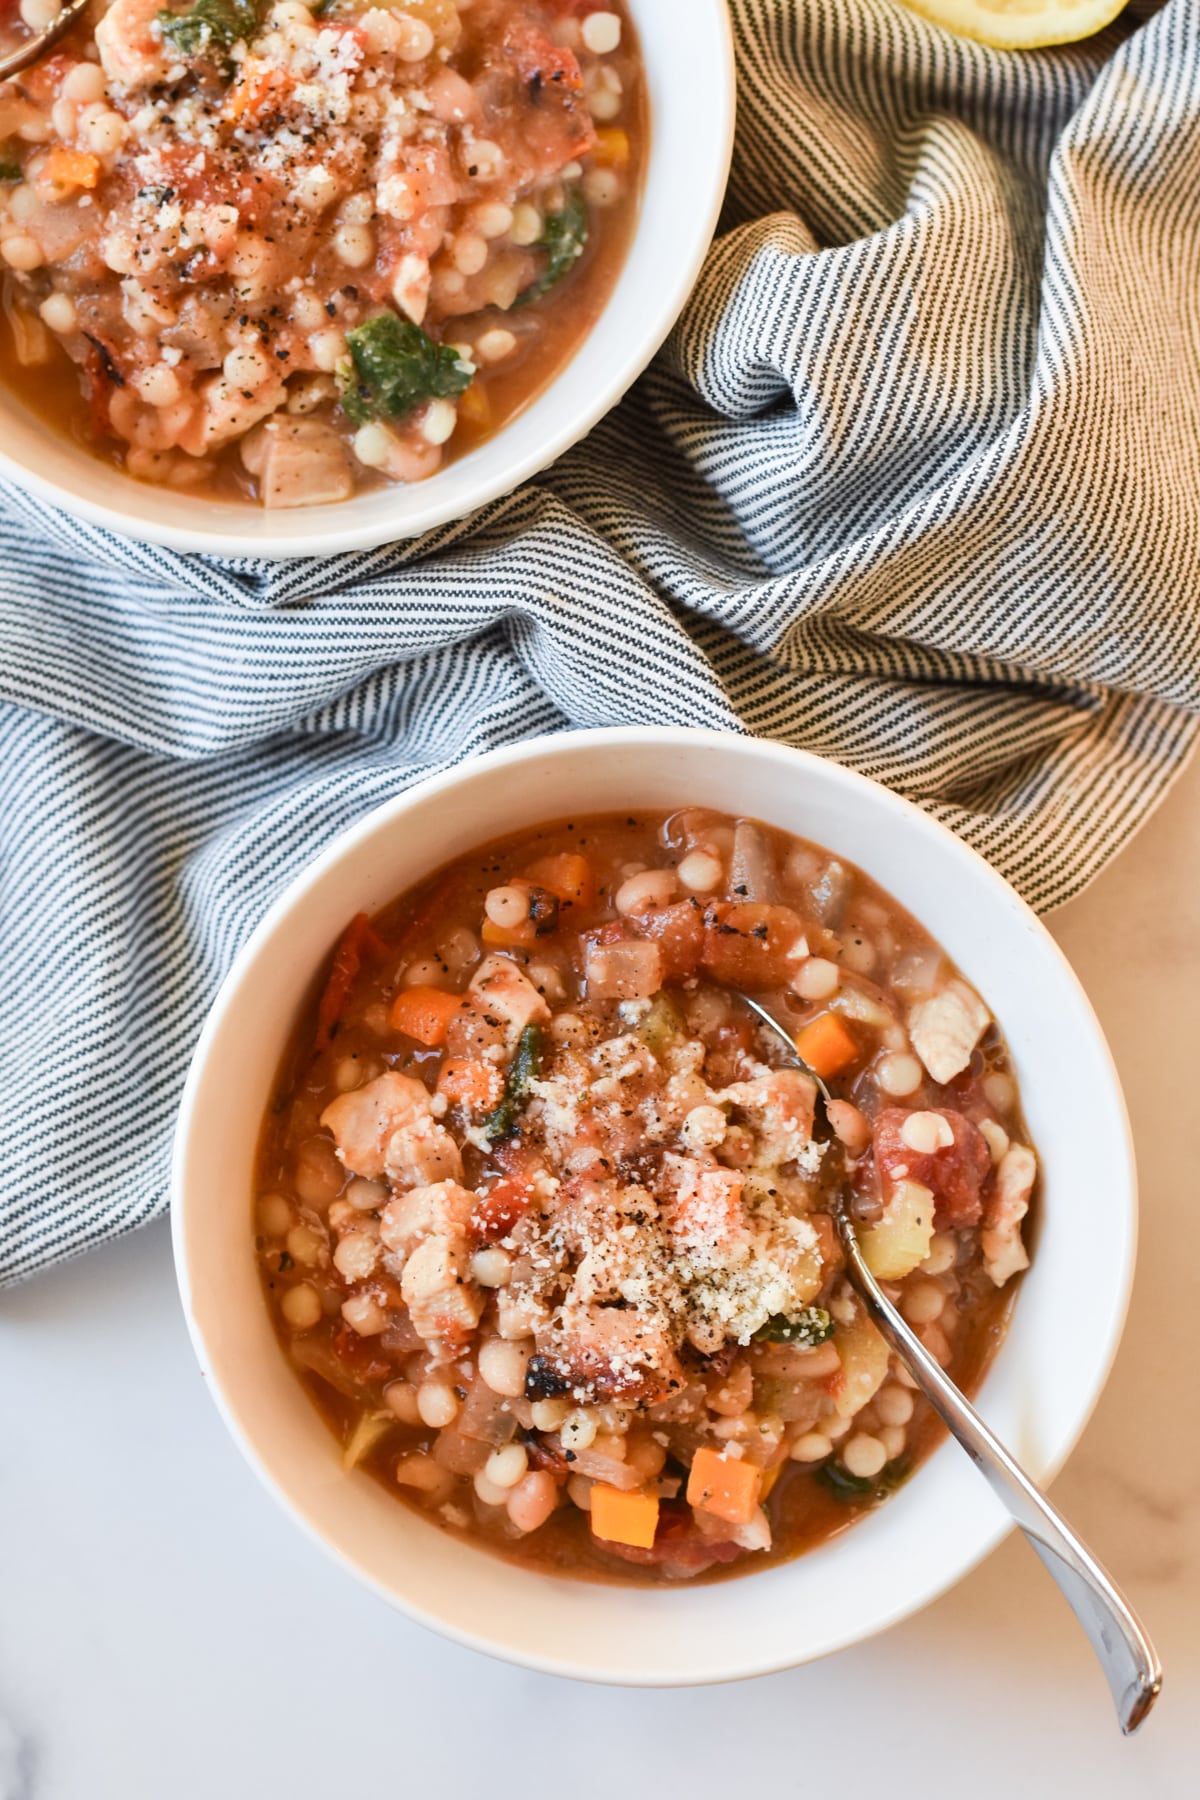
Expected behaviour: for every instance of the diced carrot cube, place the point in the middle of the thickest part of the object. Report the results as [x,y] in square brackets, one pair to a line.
[424,1013]
[827,1045]
[612,147]
[508,937]
[568,875]
[474,407]
[724,1486]
[261,88]
[475,1085]
[770,1477]
[72,168]
[623,1518]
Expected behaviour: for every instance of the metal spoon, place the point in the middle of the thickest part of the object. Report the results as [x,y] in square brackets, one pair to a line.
[28,52]
[1126,1654]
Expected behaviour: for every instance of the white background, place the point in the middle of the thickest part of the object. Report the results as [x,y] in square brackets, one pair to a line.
[166,1634]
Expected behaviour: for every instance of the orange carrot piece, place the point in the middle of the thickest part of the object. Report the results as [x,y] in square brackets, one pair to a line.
[475,1085]
[723,1486]
[260,89]
[424,1013]
[770,1477]
[612,147]
[359,937]
[568,875]
[521,935]
[474,406]
[624,1518]
[72,168]
[827,1045]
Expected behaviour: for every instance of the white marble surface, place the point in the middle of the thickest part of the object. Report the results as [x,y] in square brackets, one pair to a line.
[166,1634]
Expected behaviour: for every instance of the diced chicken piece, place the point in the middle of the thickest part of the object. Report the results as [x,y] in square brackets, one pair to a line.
[708,1208]
[443,1305]
[946,1029]
[364,1121]
[629,970]
[614,1353]
[499,989]
[442,1210]
[1004,1254]
[782,1107]
[422,1153]
[751,1536]
[131,45]
[411,281]
[227,411]
[304,464]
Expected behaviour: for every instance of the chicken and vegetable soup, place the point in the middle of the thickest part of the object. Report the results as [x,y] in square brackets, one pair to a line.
[543,1214]
[287,251]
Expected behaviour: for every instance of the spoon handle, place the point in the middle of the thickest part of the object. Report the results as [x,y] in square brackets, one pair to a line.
[1126,1654]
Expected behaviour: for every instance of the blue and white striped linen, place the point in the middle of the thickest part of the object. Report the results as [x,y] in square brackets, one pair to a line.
[914,486]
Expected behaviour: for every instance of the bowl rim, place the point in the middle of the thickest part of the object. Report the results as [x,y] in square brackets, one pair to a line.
[663,299]
[1042,1469]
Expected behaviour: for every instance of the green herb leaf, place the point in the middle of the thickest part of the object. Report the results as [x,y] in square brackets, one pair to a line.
[807,1328]
[397,367]
[563,237]
[211,25]
[845,1486]
[501,1121]
[11,171]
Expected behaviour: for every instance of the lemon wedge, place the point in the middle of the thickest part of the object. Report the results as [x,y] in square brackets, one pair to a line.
[1020,24]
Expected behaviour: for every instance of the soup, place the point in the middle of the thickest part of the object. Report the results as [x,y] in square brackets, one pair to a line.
[543,1209]
[286,253]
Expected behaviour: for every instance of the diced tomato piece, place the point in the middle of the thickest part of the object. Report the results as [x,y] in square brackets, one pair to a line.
[955,1174]
[679,1549]
[43,81]
[358,941]
[536,55]
[499,1209]
[360,1355]
[679,932]
[519,1160]
[749,945]
[555,124]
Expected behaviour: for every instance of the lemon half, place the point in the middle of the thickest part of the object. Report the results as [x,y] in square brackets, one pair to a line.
[1020,24]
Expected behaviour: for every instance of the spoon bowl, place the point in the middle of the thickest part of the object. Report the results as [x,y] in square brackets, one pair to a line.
[36,46]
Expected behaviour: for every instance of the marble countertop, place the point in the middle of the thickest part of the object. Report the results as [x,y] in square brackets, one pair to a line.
[166,1634]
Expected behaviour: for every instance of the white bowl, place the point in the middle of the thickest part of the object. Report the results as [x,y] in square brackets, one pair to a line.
[1038,1394]
[688,53]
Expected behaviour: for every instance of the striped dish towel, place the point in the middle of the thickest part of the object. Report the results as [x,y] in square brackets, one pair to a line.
[914,486]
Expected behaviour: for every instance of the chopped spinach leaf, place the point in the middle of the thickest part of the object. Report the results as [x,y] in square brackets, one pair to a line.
[563,237]
[210,25]
[845,1486]
[807,1328]
[397,367]
[502,1120]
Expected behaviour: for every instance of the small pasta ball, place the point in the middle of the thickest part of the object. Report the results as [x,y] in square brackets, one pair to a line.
[301,1306]
[532,1501]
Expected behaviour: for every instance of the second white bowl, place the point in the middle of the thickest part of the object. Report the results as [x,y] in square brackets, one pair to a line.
[689,67]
